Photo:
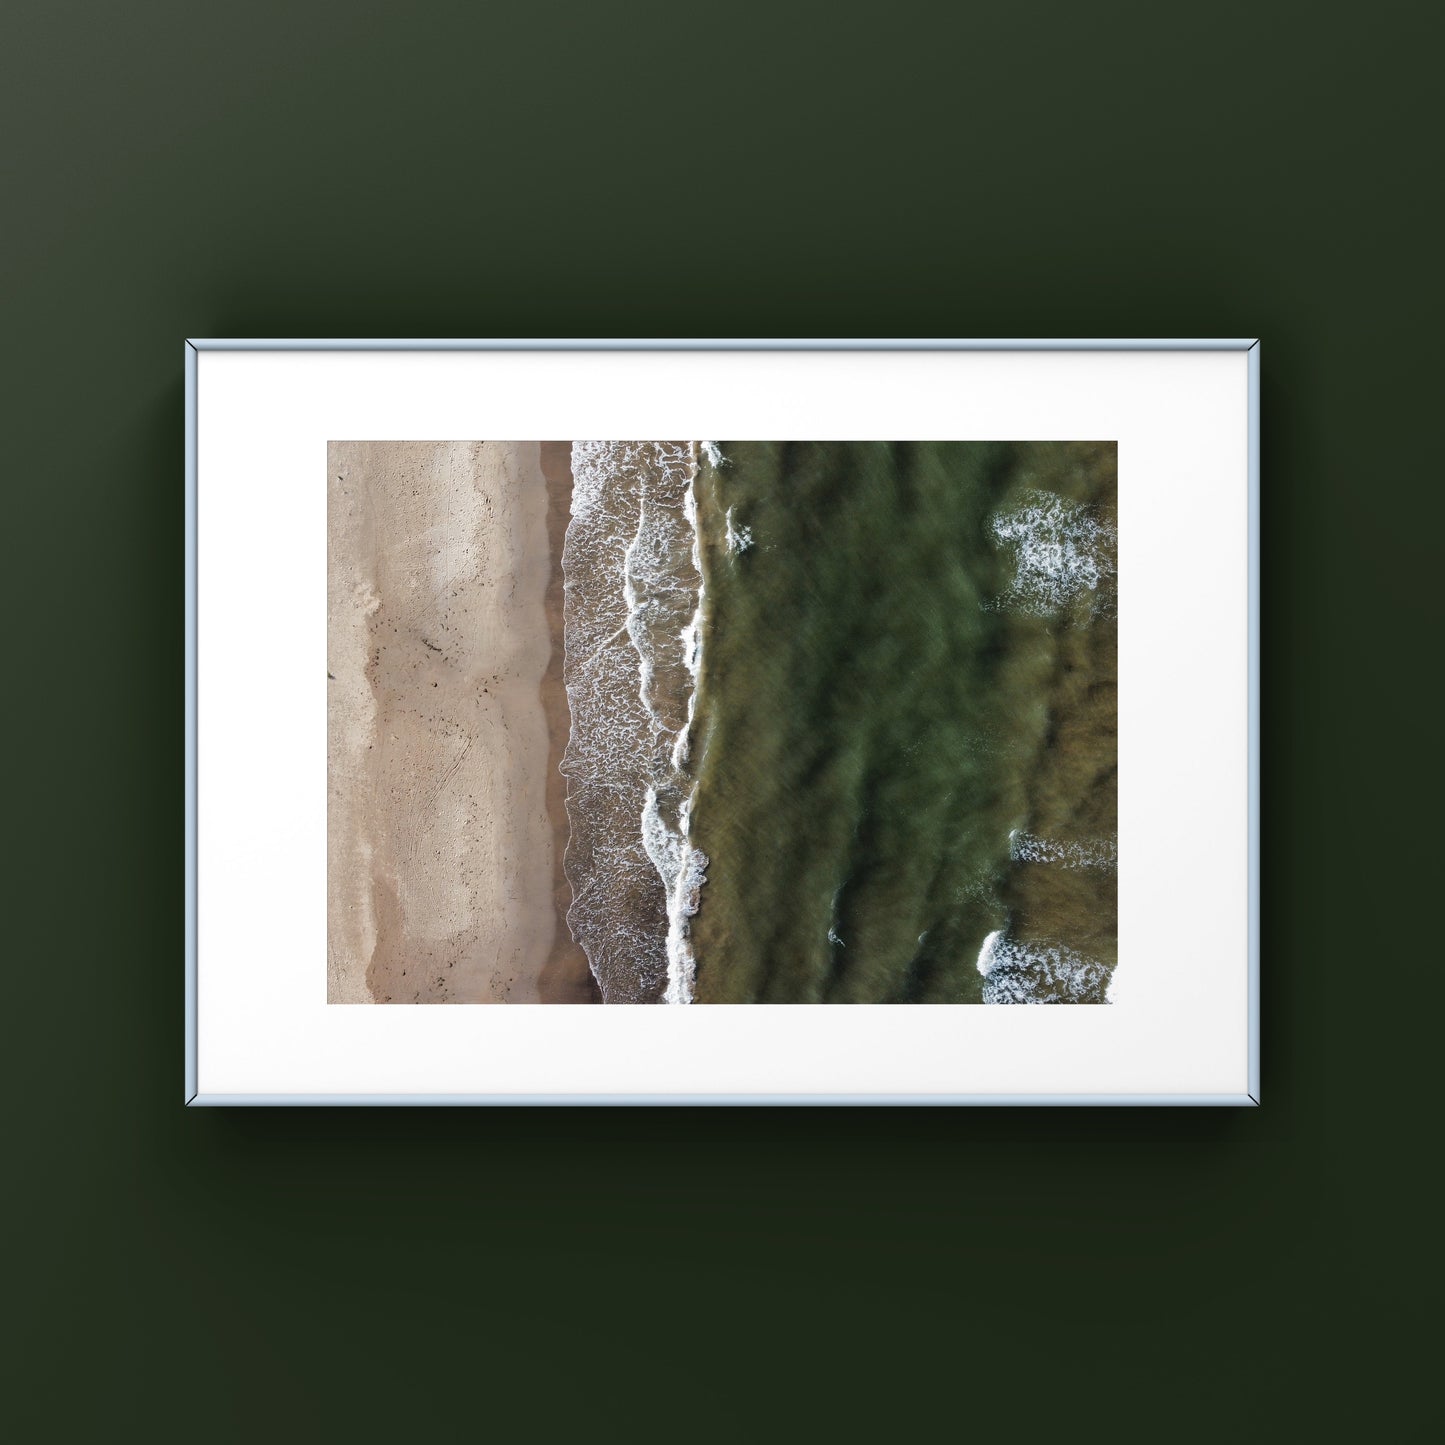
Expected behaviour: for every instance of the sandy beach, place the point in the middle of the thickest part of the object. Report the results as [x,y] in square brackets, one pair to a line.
[444,806]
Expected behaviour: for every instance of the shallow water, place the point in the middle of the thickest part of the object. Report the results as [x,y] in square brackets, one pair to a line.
[631,648]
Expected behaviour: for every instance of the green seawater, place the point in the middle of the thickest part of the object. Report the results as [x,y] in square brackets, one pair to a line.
[880,706]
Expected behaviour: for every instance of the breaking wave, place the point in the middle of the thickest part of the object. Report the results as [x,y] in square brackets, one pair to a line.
[739,539]
[632,650]
[1032,973]
[1079,853]
[1064,553]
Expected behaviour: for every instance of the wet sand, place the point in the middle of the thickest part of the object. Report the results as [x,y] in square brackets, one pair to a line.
[443,847]
[565,977]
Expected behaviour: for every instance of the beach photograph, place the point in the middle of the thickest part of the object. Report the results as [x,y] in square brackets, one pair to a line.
[690,722]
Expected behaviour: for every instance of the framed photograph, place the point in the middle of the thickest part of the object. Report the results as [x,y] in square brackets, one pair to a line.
[780,767]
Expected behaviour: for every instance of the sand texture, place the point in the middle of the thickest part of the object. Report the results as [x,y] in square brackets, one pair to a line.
[442,856]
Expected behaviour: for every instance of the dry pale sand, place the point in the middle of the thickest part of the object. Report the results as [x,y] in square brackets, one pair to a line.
[444,853]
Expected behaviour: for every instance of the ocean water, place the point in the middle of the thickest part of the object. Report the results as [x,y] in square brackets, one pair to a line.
[844,720]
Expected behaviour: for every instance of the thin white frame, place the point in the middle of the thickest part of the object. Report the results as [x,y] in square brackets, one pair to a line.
[193,348]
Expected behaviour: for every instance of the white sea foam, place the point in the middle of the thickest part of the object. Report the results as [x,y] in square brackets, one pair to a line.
[683,871]
[739,539]
[1063,553]
[1064,853]
[691,637]
[633,609]
[1036,973]
[713,453]
[682,746]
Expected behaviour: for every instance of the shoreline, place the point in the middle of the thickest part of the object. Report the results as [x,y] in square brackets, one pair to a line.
[628,670]
[566,976]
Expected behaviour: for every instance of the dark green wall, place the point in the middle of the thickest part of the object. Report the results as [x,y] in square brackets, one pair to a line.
[652,169]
